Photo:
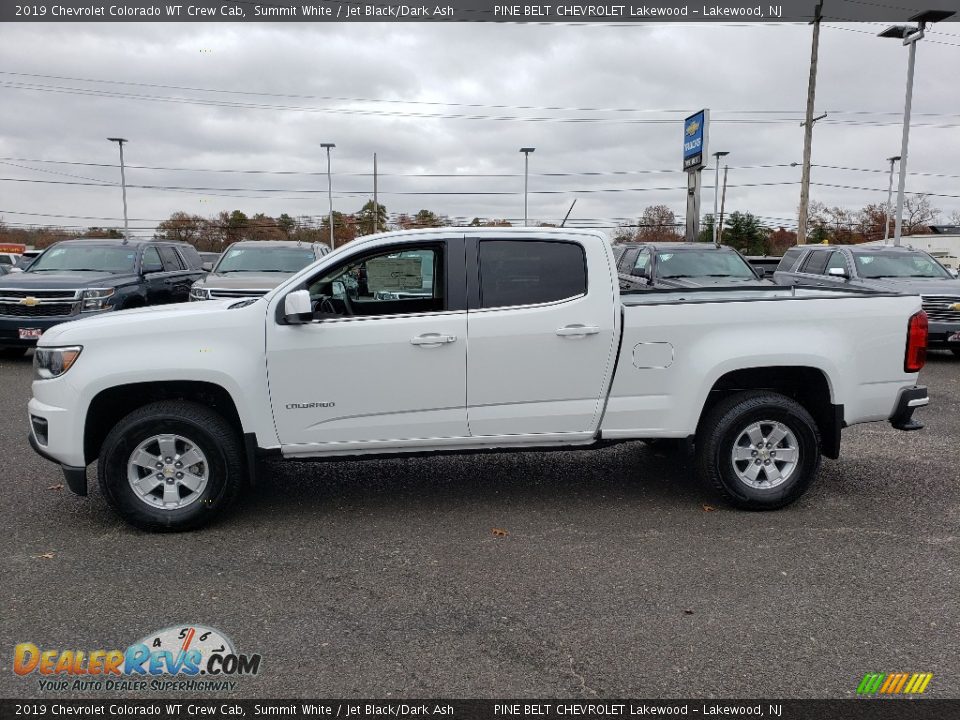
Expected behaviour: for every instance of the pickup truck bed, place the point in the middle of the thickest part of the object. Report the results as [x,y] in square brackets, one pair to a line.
[459,339]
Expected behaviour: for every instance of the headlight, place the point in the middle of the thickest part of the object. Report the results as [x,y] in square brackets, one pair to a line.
[199,293]
[96,299]
[53,362]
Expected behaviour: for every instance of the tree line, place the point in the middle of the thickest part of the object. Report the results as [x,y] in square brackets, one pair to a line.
[657,223]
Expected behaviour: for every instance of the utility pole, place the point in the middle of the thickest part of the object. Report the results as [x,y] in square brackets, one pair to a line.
[808,128]
[716,191]
[123,184]
[329,146]
[886,224]
[376,207]
[723,202]
[526,178]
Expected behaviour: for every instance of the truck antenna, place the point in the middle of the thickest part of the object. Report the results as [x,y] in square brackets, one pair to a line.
[565,217]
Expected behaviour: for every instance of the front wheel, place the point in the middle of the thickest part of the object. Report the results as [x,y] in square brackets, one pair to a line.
[759,449]
[955,351]
[171,465]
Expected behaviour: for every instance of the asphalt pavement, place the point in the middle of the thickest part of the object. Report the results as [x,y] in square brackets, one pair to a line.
[616,573]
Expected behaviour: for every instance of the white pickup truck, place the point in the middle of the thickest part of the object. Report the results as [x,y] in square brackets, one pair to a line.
[467,339]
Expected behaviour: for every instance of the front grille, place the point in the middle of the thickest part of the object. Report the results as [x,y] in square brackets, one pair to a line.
[17,295]
[230,293]
[939,308]
[44,309]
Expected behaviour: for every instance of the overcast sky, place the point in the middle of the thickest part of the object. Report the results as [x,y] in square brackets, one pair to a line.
[656,72]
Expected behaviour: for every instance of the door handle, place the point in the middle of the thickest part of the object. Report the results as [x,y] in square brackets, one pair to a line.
[432,339]
[577,330]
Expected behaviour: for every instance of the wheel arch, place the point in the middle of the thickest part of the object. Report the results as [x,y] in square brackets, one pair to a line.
[113,403]
[809,386]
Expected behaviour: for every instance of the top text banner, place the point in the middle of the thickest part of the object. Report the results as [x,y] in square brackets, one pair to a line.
[546,11]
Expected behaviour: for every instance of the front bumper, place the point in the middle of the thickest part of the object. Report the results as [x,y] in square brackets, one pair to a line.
[939,333]
[909,400]
[10,328]
[76,477]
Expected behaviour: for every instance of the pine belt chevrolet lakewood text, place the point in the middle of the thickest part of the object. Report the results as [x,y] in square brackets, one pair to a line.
[452,340]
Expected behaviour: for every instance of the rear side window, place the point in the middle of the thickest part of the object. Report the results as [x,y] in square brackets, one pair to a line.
[191,256]
[816,263]
[529,272]
[171,261]
[789,259]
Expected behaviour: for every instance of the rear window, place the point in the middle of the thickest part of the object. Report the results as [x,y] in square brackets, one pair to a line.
[789,259]
[529,272]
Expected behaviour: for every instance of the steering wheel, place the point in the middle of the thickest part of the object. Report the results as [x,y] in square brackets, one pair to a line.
[324,304]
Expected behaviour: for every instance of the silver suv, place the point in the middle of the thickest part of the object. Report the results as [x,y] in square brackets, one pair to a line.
[252,268]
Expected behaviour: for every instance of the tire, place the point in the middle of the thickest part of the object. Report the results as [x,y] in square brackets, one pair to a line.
[208,488]
[13,353]
[725,428]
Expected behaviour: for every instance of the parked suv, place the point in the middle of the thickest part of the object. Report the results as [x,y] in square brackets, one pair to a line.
[252,268]
[886,268]
[684,265]
[78,278]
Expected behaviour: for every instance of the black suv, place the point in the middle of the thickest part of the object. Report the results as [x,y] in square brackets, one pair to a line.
[78,278]
[886,268]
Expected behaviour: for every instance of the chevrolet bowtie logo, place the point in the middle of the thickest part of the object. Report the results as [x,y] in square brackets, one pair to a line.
[30,301]
[692,128]
[955,306]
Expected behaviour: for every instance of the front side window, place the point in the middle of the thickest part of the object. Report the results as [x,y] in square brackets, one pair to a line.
[899,265]
[640,266]
[151,261]
[402,280]
[836,262]
[530,272]
[116,259]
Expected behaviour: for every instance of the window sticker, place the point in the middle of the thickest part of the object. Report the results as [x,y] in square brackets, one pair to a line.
[394,273]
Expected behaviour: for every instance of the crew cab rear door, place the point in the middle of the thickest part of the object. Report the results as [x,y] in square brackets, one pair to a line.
[543,329]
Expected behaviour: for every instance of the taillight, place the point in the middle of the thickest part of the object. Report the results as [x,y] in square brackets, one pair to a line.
[916,343]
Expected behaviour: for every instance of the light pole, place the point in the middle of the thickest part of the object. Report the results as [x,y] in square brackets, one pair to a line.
[123,184]
[716,192]
[329,146]
[886,224]
[910,37]
[526,176]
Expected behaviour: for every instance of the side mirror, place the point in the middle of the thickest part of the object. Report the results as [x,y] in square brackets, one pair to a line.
[838,273]
[955,273]
[208,266]
[297,308]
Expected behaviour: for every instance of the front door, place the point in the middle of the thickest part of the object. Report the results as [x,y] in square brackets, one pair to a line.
[383,364]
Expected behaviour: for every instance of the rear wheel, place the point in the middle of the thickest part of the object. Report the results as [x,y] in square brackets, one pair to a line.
[760,449]
[171,465]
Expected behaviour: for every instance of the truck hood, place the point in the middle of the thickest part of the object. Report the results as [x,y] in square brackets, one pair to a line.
[242,280]
[915,286]
[141,322]
[64,280]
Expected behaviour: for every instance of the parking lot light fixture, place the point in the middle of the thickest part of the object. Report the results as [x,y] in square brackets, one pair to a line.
[328,147]
[123,184]
[910,36]
[526,176]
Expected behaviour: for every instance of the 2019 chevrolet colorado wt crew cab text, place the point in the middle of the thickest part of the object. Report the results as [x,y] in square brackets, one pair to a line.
[456,340]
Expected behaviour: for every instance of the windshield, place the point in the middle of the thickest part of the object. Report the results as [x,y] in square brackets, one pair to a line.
[702,263]
[114,259]
[265,259]
[899,265]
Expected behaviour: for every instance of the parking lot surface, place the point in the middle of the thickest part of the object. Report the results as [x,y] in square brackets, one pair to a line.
[619,574]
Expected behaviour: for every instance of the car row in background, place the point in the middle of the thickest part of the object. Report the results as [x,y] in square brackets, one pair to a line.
[883,268]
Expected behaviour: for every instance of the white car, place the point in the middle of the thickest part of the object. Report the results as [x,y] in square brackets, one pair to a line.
[468,339]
